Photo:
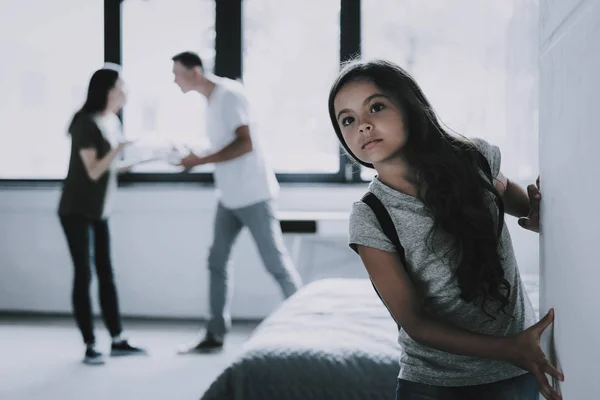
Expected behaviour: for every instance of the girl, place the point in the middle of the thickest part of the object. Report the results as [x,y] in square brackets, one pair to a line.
[86,203]
[467,328]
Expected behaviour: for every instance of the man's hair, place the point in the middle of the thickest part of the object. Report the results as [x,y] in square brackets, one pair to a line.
[188,59]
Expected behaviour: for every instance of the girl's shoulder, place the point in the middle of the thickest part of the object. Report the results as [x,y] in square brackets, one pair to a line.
[362,215]
[361,212]
[490,151]
[481,144]
[364,229]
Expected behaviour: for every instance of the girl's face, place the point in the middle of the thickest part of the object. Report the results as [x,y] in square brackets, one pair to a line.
[371,123]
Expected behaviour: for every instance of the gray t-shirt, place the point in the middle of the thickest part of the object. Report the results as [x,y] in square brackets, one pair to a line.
[434,278]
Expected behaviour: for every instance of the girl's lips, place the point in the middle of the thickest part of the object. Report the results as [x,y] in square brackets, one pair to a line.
[371,143]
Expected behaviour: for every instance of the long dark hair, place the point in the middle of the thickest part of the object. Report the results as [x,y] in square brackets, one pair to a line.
[457,179]
[100,84]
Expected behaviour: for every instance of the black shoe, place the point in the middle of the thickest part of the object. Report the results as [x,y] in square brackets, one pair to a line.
[123,348]
[93,356]
[207,345]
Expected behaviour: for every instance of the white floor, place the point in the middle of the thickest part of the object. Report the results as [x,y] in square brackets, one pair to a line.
[40,359]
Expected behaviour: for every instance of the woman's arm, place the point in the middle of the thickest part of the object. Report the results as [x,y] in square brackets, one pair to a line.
[397,291]
[96,167]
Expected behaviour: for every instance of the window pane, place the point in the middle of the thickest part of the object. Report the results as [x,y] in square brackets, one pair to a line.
[44,78]
[157,113]
[480,74]
[291,57]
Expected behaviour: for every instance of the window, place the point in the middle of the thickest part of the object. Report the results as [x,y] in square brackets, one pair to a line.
[290,58]
[44,77]
[475,60]
[157,113]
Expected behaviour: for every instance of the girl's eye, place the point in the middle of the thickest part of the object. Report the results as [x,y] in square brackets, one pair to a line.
[347,121]
[376,107]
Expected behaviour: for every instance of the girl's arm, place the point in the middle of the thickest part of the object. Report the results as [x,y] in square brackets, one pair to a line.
[397,291]
[516,200]
[518,203]
[392,282]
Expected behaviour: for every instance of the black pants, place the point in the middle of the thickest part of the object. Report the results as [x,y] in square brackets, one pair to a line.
[77,230]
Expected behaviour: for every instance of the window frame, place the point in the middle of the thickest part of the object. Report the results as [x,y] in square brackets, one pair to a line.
[229,63]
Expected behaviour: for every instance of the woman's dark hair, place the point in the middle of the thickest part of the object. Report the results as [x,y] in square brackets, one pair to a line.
[101,83]
[457,179]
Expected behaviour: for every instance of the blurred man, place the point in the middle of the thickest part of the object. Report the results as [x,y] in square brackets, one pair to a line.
[246,188]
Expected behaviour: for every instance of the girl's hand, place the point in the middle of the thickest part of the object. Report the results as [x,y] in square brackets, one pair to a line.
[532,221]
[526,353]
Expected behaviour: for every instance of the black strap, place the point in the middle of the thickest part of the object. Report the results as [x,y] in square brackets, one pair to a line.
[385,221]
[389,229]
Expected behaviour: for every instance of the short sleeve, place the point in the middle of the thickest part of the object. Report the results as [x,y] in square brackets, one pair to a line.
[490,152]
[236,111]
[365,229]
[85,133]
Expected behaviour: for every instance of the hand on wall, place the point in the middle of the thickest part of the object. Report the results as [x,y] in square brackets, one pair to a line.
[532,221]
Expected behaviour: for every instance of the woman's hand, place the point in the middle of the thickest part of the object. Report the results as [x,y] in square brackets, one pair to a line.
[525,352]
[532,221]
[124,143]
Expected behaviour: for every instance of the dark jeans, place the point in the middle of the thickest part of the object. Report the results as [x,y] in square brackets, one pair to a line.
[77,230]
[523,387]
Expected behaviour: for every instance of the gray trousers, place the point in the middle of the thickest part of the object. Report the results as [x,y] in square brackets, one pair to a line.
[264,227]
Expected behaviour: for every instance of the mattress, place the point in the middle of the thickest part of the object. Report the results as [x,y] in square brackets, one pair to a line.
[333,339]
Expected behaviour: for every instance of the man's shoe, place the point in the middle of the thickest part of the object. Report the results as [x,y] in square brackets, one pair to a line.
[207,345]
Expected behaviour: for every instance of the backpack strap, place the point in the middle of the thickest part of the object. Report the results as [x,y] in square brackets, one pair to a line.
[387,225]
[385,221]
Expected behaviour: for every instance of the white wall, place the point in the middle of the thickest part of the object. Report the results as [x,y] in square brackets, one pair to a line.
[569,145]
[161,235]
[160,240]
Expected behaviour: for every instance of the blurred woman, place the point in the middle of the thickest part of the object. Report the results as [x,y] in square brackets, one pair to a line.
[86,203]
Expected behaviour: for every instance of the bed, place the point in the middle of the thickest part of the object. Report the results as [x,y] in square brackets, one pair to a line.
[332,340]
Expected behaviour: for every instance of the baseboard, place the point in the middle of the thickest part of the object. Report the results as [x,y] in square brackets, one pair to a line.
[15,315]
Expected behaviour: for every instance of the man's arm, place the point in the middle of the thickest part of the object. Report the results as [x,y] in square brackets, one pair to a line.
[239,146]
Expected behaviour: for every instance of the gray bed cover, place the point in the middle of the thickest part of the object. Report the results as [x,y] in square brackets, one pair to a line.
[332,340]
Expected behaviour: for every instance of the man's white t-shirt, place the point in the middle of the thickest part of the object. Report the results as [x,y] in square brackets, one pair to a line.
[248,179]
[111,129]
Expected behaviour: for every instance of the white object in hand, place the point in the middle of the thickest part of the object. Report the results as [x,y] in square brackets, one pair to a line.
[174,156]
